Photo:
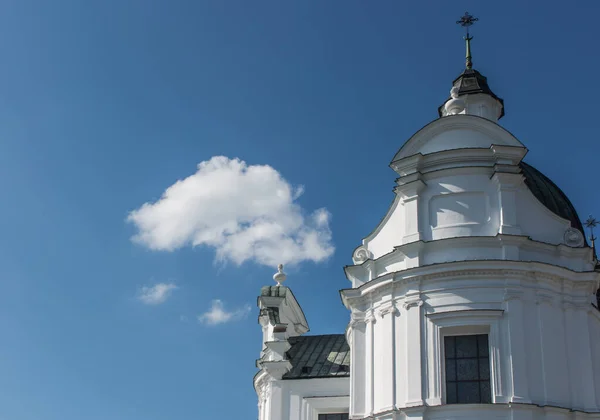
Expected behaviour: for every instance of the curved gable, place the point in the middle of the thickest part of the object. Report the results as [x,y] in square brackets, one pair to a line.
[456,132]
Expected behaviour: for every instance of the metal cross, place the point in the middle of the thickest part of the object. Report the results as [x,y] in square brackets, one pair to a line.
[591,223]
[466,21]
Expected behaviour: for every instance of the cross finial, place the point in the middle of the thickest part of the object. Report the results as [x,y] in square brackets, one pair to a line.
[466,21]
[592,223]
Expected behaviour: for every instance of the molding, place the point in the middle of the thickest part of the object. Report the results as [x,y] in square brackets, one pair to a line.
[497,134]
[370,318]
[508,181]
[569,302]
[508,155]
[555,255]
[275,369]
[410,190]
[388,308]
[464,322]
[323,405]
[544,296]
[409,302]
[513,294]
[457,317]
[530,271]
[361,254]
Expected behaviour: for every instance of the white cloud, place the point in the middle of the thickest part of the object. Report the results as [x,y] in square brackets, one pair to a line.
[157,294]
[218,315]
[245,212]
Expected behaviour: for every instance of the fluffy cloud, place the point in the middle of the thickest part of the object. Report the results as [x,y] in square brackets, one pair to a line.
[157,294]
[218,315]
[244,212]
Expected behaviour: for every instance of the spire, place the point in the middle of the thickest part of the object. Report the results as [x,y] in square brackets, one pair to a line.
[471,94]
[466,21]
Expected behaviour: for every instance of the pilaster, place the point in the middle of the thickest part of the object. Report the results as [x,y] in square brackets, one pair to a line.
[414,372]
[358,343]
[507,186]
[517,348]
[370,321]
[409,191]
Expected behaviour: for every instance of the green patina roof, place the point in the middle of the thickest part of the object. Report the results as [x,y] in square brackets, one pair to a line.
[318,356]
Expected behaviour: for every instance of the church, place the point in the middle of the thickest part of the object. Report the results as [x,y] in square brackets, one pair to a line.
[474,297]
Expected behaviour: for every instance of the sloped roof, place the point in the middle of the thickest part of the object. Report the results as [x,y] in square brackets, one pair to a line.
[318,356]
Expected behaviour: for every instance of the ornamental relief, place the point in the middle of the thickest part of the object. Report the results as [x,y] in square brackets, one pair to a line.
[388,308]
[574,238]
[412,302]
[361,254]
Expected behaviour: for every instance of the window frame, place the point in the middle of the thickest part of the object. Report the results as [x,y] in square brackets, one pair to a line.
[334,414]
[451,333]
[463,322]
[326,405]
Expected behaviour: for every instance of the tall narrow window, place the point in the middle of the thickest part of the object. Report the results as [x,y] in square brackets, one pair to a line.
[338,416]
[467,369]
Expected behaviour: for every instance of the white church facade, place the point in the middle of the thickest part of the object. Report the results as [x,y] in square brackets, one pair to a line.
[474,297]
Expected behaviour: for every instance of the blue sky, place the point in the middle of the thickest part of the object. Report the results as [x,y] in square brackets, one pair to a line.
[106,104]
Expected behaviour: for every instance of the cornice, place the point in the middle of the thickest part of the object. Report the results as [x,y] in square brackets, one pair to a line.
[460,161]
[530,271]
[499,241]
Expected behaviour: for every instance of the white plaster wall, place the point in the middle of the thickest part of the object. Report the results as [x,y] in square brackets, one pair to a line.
[536,221]
[460,178]
[303,399]
[459,205]
[465,205]
[545,344]
[390,231]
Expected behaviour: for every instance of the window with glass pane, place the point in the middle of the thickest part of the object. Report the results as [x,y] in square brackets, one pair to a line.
[338,416]
[467,369]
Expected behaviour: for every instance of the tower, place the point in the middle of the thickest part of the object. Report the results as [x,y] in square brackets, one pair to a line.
[473,296]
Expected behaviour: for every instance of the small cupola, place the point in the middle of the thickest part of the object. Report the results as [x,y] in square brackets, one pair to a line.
[470,93]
